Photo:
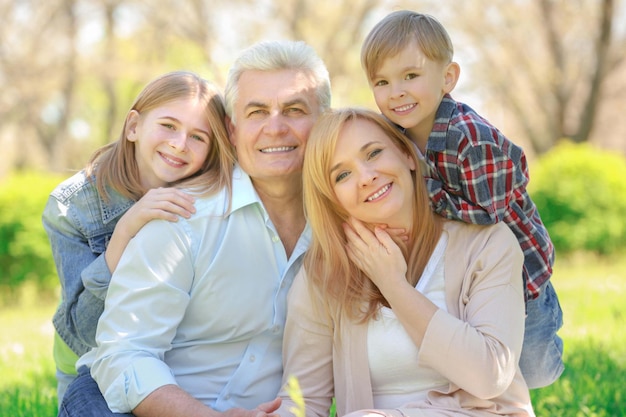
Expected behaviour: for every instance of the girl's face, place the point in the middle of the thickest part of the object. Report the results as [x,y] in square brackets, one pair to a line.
[171,141]
[371,176]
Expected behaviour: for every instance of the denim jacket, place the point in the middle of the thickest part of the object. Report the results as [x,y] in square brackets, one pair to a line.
[79,223]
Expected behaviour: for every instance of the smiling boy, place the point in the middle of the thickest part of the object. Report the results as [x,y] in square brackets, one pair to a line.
[473,172]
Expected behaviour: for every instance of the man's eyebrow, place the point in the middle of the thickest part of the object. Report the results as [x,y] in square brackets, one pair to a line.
[256,104]
[296,101]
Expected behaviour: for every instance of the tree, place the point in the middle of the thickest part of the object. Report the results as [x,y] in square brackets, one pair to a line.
[543,62]
[37,76]
[547,68]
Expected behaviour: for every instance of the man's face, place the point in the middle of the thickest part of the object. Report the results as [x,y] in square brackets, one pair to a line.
[274,111]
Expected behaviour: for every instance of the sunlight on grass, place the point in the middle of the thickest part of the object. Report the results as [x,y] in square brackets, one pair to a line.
[28,385]
[591,291]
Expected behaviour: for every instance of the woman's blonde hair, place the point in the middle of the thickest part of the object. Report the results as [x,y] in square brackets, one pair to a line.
[115,164]
[396,31]
[326,261]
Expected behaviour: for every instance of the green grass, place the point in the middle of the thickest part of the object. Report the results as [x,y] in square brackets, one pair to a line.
[592,292]
[28,385]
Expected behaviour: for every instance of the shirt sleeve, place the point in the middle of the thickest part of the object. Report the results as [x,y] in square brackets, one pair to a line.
[146,301]
[479,352]
[477,182]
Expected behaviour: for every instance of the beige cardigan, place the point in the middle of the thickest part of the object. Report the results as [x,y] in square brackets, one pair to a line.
[475,345]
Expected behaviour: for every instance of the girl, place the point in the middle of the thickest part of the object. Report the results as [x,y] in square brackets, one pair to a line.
[431,325]
[174,131]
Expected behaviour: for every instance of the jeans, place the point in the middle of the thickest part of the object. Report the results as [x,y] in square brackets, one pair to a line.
[541,360]
[63,381]
[83,399]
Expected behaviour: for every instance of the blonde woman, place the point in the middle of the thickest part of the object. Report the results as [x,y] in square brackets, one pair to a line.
[431,325]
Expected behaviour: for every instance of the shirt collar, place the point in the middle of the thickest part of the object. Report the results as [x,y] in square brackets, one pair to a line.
[244,193]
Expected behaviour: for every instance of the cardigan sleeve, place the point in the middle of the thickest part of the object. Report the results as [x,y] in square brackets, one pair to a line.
[307,351]
[479,352]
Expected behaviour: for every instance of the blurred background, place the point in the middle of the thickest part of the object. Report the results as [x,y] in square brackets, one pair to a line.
[540,70]
[550,74]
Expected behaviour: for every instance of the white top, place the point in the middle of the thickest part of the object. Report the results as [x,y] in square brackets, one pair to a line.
[200,303]
[397,376]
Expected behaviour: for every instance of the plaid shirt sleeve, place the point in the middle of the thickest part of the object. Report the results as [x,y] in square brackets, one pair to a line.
[478,176]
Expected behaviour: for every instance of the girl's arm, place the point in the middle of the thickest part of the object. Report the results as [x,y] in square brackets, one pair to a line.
[84,264]
[157,203]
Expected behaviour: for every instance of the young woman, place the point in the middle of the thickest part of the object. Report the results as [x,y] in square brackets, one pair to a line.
[431,325]
[175,130]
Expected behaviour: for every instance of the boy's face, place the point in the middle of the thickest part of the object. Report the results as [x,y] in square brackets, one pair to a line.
[408,88]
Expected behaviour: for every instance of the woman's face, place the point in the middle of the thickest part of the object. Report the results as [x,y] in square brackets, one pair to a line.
[371,176]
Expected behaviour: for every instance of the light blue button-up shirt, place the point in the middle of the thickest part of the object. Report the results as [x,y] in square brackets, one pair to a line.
[200,303]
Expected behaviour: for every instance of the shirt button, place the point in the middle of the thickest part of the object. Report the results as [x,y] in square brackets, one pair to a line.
[252,358]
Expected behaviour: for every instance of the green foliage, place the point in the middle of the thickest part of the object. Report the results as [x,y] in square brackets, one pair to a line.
[295,393]
[580,192]
[25,254]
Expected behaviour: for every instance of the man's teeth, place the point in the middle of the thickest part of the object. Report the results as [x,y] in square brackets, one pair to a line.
[278,149]
[379,193]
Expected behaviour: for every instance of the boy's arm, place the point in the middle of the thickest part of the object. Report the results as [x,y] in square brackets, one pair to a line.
[481,185]
[484,182]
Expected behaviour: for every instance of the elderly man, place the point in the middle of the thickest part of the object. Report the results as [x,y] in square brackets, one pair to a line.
[195,311]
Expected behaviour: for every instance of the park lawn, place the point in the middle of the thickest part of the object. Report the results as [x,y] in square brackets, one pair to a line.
[592,291]
[28,385]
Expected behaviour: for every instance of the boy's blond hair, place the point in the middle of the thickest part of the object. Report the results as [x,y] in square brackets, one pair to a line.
[393,33]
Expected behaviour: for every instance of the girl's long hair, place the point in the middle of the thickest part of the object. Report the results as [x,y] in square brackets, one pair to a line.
[115,165]
[328,267]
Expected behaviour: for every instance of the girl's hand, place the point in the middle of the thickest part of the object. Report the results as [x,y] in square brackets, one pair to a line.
[157,203]
[375,253]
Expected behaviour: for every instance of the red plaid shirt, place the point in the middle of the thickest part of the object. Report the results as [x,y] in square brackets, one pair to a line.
[476,175]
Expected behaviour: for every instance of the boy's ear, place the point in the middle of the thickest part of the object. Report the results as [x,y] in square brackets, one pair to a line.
[451,76]
[132,120]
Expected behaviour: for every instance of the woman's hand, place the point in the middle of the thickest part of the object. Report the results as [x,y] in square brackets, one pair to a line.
[375,253]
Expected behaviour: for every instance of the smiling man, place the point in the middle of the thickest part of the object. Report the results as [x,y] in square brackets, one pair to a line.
[195,312]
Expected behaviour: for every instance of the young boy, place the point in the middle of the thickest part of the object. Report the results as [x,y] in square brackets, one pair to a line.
[474,174]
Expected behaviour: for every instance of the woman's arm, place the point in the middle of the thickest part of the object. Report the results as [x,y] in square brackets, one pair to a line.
[307,351]
[478,352]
